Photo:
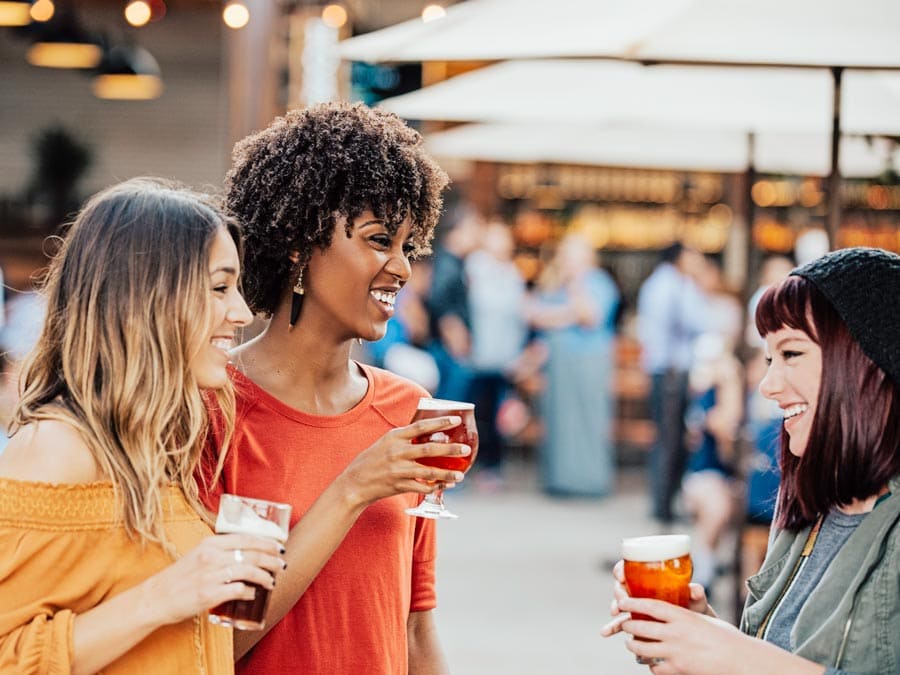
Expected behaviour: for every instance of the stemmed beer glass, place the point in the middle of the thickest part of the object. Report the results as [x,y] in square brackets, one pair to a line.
[433,504]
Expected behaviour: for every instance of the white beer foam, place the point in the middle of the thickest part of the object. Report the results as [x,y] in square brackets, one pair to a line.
[443,404]
[653,549]
[248,522]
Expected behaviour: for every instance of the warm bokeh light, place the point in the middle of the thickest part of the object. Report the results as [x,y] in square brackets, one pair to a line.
[236,15]
[334,16]
[433,12]
[138,13]
[42,10]
[763,193]
[127,87]
[720,213]
[14,14]
[64,55]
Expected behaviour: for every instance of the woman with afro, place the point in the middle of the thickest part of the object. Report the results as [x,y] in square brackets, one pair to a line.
[335,200]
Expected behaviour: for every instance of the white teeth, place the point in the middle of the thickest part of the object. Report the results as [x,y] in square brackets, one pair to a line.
[221,343]
[385,297]
[795,410]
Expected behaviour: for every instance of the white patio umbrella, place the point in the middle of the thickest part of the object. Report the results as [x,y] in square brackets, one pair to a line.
[659,148]
[799,33]
[832,34]
[701,97]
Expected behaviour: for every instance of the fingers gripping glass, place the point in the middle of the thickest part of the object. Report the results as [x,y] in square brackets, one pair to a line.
[433,504]
[658,567]
[242,515]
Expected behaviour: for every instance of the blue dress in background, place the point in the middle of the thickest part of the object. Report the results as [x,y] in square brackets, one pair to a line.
[577,454]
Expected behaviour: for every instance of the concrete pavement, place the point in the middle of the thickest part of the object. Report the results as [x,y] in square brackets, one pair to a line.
[523,579]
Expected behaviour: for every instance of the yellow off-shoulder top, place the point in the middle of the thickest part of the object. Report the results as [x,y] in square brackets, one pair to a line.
[63,552]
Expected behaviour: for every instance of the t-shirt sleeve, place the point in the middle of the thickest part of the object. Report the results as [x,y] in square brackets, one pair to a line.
[423,596]
[43,645]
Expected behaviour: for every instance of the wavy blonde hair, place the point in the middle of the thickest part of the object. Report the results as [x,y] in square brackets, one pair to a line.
[128,311]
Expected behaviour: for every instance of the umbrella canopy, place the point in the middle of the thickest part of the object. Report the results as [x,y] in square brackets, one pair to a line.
[806,33]
[513,29]
[815,33]
[659,148]
[609,92]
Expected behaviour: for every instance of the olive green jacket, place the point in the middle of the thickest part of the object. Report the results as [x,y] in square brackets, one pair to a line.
[851,620]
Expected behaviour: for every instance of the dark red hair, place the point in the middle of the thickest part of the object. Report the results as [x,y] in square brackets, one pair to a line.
[854,443]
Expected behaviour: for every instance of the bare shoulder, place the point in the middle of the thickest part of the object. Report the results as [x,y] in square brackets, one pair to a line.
[49,451]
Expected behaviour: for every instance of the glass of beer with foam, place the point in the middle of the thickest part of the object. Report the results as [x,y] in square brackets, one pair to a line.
[260,518]
[467,433]
[658,567]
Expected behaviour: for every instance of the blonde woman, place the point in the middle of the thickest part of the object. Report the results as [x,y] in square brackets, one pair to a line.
[109,562]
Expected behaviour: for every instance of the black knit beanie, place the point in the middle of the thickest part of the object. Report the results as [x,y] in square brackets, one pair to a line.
[863,285]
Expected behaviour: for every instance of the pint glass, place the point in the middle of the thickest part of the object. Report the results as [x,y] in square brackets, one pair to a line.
[261,518]
[658,567]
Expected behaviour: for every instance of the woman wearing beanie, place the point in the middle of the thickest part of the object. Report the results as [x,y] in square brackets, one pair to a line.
[827,598]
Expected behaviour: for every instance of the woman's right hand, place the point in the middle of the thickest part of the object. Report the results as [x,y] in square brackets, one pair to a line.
[389,467]
[698,602]
[211,573]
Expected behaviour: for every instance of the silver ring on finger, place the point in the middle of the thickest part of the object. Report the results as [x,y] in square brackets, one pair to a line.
[238,556]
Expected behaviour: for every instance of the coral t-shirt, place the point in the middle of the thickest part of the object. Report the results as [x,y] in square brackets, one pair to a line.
[353,617]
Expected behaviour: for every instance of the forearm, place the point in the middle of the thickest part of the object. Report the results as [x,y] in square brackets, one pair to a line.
[310,545]
[425,654]
[764,657]
[104,633]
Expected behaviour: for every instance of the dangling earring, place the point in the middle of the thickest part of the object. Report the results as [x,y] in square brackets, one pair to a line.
[296,300]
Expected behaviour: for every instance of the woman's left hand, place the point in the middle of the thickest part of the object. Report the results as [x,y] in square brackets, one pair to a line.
[685,641]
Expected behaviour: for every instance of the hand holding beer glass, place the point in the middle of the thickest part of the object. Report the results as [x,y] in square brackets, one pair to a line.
[467,433]
[260,518]
[658,567]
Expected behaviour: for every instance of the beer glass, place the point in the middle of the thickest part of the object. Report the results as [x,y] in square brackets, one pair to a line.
[261,518]
[433,504]
[658,567]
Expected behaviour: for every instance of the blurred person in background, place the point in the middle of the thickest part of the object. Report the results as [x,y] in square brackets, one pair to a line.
[827,599]
[109,561]
[713,421]
[671,314]
[24,320]
[334,199]
[448,305]
[497,314]
[573,312]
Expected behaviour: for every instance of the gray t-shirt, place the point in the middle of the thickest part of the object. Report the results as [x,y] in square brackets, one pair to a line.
[834,533]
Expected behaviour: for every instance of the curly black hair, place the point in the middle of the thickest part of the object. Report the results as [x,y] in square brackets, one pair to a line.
[292,182]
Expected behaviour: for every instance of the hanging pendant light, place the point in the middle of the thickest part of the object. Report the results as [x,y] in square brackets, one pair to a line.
[128,72]
[62,42]
[15,13]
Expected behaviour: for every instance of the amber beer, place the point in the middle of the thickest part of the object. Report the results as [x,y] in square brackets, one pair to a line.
[261,518]
[658,567]
[465,433]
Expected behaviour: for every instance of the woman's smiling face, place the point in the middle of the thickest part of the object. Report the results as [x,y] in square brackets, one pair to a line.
[792,380]
[351,287]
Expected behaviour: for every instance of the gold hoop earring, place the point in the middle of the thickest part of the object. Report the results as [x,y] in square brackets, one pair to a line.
[296,300]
